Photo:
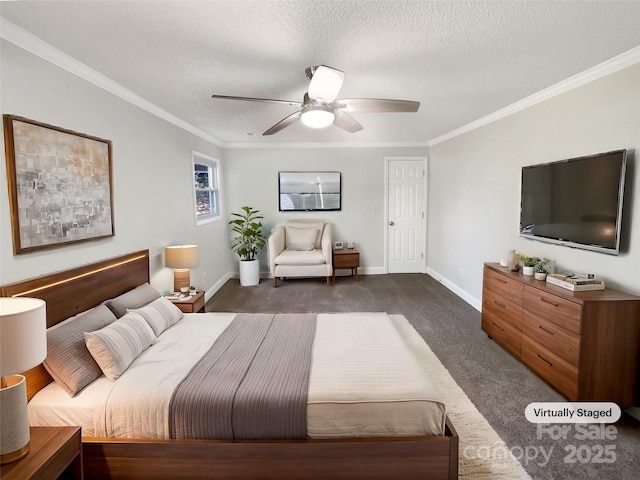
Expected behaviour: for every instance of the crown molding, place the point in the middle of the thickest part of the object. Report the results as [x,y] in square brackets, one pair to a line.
[243,145]
[25,40]
[619,62]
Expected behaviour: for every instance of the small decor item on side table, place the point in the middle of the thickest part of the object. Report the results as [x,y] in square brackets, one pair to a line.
[247,243]
[542,269]
[528,263]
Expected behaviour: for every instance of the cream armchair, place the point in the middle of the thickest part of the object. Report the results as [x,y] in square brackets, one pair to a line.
[301,249]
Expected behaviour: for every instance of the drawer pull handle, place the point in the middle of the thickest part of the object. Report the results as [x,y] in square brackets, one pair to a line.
[499,304]
[545,330]
[548,301]
[545,360]
[498,326]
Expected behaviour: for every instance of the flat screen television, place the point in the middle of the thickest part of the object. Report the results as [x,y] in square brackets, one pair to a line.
[575,202]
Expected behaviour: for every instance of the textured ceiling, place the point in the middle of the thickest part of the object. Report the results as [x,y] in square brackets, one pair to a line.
[461,60]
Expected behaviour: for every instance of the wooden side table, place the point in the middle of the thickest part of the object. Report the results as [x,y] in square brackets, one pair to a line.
[346,258]
[195,304]
[53,451]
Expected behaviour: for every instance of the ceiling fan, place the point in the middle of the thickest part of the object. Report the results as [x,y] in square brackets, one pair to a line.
[320,108]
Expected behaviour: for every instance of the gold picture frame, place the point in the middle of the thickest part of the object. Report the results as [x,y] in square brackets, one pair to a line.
[60,185]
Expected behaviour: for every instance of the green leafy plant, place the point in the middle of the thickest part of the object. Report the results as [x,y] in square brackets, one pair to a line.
[528,261]
[249,229]
[543,266]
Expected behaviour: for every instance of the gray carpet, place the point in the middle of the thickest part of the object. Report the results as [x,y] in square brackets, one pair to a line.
[498,384]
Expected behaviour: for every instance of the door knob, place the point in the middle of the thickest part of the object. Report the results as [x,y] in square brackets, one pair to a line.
[392,223]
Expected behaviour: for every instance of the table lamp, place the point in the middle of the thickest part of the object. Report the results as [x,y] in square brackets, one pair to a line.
[181,258]
[23,345]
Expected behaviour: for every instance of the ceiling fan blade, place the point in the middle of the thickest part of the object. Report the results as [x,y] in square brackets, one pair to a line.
[284,123]
[253,99]
[346,122]
[325,83]
[375,105]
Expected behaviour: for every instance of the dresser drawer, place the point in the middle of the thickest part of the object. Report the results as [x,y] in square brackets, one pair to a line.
[503,309]
[504,334]
[503,285]
[563,343]
[555,309]
[558,373]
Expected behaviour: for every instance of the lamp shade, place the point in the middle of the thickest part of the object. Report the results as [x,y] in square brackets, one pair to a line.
[23,334]
[181,256]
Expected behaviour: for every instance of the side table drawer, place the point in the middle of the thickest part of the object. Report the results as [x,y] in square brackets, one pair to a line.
[346,260]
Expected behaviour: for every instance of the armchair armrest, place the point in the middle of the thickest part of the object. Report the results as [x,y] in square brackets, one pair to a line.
[276,245]
[327,244]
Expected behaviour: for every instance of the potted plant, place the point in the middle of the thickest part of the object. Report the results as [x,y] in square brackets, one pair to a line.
[528,263]
[542,268]
[247,243]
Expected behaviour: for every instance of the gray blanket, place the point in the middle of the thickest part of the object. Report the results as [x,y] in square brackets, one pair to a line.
[251,384]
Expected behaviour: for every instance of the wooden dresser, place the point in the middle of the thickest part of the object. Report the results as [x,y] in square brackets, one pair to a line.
[585,344]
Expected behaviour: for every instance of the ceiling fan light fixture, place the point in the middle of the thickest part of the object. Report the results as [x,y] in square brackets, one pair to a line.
[317,116]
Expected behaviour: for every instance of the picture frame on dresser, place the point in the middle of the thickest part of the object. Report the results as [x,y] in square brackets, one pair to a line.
[60,185]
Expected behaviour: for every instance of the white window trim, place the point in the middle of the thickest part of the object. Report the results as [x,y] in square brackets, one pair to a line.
[197,157]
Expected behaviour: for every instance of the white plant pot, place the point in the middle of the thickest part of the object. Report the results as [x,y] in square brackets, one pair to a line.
[527,270]
[249,272]
[540,276]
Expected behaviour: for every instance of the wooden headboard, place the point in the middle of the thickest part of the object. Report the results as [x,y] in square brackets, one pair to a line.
[73,291]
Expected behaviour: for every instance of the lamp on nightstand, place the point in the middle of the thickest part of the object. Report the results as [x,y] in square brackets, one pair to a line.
[23,345]
[181,258]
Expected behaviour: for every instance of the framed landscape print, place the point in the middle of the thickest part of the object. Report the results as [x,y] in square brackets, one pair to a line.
[309,191]
[60,187]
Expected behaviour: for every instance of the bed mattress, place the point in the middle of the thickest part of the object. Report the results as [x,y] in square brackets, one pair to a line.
[366,380]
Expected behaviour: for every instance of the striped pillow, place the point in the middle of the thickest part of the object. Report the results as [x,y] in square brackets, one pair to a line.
[68,360]
[160,315]
[117,345]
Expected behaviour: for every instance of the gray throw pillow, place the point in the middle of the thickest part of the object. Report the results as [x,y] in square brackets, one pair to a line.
[138,297]
[68,359]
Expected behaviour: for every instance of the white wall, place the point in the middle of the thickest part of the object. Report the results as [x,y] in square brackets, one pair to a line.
[152,175]
[254,176]
[474,183]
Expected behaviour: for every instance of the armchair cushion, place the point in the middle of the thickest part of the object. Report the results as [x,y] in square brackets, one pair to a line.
[320,226]
[302,258]
[301,238]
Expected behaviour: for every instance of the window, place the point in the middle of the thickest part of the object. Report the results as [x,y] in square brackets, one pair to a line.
[206,188]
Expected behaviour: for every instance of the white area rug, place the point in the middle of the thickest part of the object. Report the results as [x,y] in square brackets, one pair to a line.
[482,455]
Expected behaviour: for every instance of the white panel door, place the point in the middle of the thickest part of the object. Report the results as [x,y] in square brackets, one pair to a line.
[405,216]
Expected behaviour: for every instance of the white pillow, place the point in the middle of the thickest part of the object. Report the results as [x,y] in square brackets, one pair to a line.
[160,315]
[302,224]
[301,238]
[115,346]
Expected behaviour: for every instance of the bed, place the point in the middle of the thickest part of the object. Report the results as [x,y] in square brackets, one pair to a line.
[112,450]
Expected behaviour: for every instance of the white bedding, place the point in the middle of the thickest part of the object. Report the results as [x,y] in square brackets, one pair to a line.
[366,380]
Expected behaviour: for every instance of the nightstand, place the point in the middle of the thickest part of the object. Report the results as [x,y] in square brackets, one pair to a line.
[346,258]
[195,304]
[53,452]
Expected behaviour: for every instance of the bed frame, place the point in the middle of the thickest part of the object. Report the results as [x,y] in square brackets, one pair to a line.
[72,291]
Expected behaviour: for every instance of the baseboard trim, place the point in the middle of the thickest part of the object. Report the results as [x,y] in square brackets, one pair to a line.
[217,286]
[463,294]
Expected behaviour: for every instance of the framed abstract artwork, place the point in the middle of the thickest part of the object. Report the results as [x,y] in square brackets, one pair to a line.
[60,185]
